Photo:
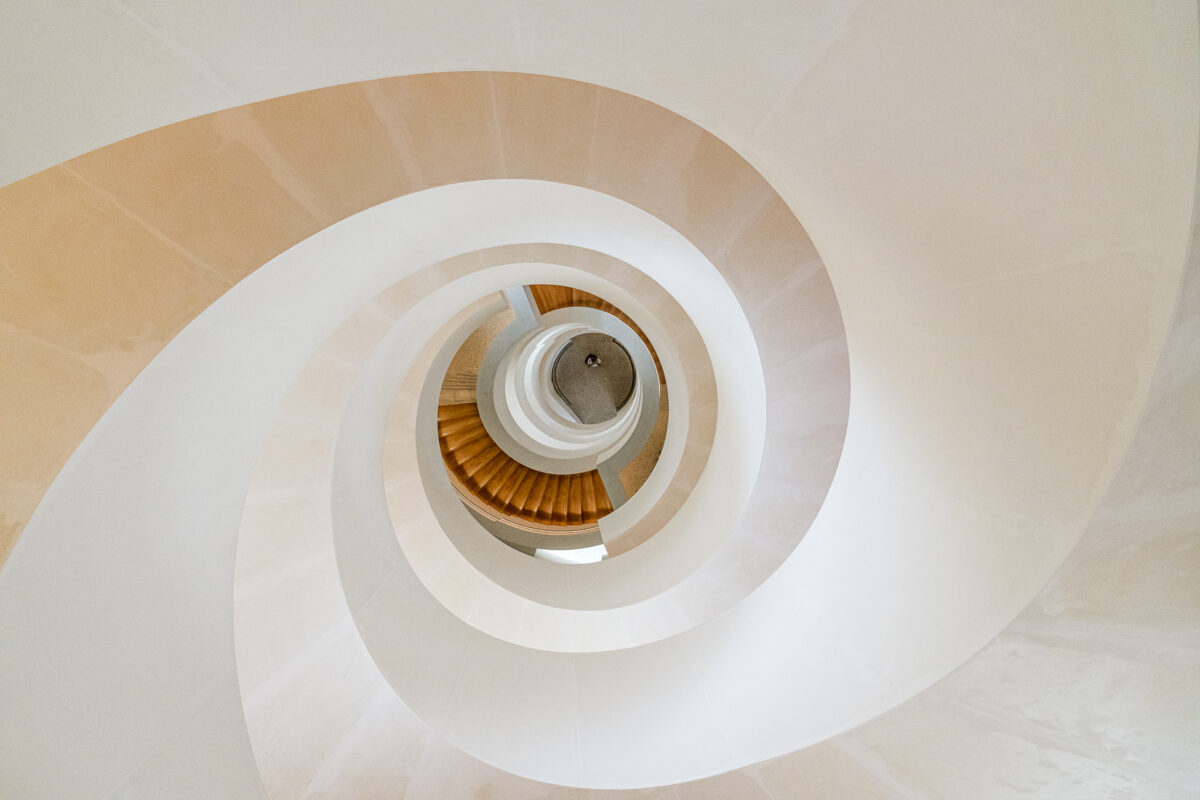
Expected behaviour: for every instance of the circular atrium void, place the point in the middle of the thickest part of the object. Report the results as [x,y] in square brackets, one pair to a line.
[594,376]
[550,416]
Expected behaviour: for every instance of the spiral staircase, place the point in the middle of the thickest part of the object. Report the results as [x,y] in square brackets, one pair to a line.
[499,480]
[901,501]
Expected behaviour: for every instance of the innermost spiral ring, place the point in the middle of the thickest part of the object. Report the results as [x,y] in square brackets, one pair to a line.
[594,376]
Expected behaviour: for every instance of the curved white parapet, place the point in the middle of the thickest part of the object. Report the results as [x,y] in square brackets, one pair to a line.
[647,388]
[411,445]
[1001,195]
[619,585]
[534,416]
[893,631]
[390,726]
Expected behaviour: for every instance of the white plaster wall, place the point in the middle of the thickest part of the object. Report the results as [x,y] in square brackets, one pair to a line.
[887,575]
[1090,692]
[182,463]
[1032,173]
[987,103]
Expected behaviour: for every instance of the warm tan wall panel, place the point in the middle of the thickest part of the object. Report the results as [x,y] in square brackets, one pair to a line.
[443,126]
[88,296]
[82,274]
[337,149]
[215,185]
[49,400]
[106,257]
[546,127]
[769,250]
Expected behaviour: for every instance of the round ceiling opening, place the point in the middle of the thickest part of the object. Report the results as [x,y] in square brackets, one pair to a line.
[594,376]
[551,415]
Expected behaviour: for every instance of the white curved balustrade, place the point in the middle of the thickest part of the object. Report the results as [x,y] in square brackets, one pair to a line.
[883,551]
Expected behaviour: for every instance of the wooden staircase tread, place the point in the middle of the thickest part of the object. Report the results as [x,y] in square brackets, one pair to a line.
[457,410]
[508,486]
[517,501]
[485,480]
[459,424]
[502,482]
[497,487]
[545,509]
[575,501]
[534,502]
[560,500]
[588,500]
[478,461]
[456,441]
[466,452]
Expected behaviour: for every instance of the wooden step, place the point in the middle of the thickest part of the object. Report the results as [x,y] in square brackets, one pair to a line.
[456,440]
[446,427]
[516,503]
[588,500]
[457,410]
[561,499]
[499,483]
[508,487]
[575,501]
[534,503]
[472,448]
[550,499]
[480,460]
[503,483]
[493,473]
